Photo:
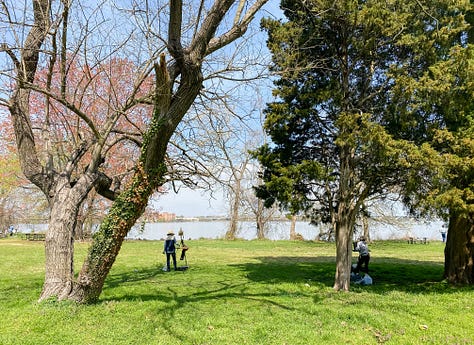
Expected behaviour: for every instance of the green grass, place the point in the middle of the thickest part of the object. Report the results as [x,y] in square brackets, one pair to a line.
[240,292]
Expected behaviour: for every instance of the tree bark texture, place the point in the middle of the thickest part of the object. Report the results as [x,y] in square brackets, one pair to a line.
[107,242]
[459,251]
[347,209]
[344,228]
[59,244]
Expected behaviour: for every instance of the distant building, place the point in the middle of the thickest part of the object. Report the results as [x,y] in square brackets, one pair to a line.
[155,216]
[166,217]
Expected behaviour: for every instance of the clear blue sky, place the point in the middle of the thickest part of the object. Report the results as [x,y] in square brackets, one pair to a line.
[191,203]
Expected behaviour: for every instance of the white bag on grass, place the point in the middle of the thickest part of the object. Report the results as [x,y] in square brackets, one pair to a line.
[366,280]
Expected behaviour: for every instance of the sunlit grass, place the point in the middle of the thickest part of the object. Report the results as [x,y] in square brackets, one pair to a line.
[240,292]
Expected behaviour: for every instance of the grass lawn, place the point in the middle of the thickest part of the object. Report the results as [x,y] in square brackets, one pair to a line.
[240,292]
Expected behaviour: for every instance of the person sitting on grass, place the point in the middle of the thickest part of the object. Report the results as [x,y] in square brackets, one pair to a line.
[364,256]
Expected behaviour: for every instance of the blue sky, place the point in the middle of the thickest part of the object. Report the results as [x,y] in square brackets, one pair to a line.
[191,203]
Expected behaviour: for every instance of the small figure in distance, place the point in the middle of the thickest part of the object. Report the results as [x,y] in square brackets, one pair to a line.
[170,250]
[443,236]
[443,232]
[184,247]
[364,256]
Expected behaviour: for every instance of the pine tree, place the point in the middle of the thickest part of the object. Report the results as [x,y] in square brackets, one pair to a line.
[340,136]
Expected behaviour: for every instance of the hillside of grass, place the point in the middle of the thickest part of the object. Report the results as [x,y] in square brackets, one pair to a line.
[240,292]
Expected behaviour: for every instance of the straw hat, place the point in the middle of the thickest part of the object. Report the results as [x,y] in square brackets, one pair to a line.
[170,232]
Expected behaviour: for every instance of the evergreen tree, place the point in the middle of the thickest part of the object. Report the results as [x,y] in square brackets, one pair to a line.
[446,93]
[439,101]
[339,133]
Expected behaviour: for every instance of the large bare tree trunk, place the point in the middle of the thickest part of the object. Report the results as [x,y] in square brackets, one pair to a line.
[63,211]
[59,245]
[107,242]
[459,251]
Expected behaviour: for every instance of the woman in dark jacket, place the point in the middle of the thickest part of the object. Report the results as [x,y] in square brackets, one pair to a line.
[170,250]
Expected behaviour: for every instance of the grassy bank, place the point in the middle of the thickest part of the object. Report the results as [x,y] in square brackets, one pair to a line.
[242,292]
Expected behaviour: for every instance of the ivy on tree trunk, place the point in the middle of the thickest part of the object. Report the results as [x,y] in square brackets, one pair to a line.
[109,238]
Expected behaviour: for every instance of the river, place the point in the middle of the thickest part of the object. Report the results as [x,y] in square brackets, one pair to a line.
[278,230]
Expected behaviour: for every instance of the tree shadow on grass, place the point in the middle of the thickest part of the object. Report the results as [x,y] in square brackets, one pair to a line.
[286,269]
[135,275]
[388,273]
[175,300]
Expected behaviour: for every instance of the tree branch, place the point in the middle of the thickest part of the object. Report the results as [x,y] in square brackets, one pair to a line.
[102,187]
[199,45]
[237,30]
[68,105]
[19,102]
[4,47]
[174,29]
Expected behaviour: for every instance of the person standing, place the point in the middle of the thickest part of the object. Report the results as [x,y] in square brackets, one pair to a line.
[170,250]
[443,236]
[364,255]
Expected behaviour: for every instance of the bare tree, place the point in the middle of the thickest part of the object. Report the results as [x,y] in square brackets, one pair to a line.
[255,207]
[226,131]
[143,105]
